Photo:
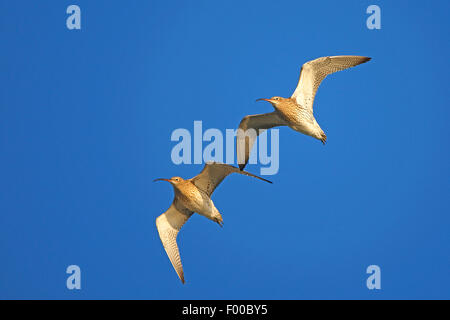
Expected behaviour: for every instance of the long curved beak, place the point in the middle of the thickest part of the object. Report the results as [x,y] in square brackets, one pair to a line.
[161,179]
[262,99]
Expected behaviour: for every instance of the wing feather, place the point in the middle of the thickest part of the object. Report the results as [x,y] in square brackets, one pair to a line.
[313,72]
[168,225]
[213,174]
[250,128]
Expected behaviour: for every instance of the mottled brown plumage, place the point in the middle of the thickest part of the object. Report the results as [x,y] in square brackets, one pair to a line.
[192,195]
[296,111]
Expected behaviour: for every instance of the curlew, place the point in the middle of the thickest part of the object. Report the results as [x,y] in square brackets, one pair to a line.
[296,111]
[192,195]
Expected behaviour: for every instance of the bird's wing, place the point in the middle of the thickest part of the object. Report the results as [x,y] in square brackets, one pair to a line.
[213,174]
[313,72]
[168,225]
[245,137]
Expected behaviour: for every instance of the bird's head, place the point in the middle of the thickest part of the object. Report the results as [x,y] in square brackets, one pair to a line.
[174,180]
[274,100]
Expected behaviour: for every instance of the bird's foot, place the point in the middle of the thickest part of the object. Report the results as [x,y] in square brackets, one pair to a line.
[323,138]
[219,220]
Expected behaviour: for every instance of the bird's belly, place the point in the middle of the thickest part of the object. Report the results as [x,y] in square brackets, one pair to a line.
[299,120]
[198,202]
[305,128]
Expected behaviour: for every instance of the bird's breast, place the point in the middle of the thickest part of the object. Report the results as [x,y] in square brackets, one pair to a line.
[295,115]
[194,199]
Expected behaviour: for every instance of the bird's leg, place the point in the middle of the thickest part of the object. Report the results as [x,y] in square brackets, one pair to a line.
[218,218]
[323,138]
[219,221]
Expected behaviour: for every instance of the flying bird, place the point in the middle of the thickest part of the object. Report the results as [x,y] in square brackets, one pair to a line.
[296,111]
[192,195]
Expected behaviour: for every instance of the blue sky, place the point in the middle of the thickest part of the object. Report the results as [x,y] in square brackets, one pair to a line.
[85,123]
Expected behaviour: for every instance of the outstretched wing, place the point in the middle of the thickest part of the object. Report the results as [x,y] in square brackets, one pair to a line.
[313,72]
[213,174]
[249,129]
[168,225]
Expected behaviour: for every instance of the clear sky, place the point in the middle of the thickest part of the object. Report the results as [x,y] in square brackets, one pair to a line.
[85,123]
